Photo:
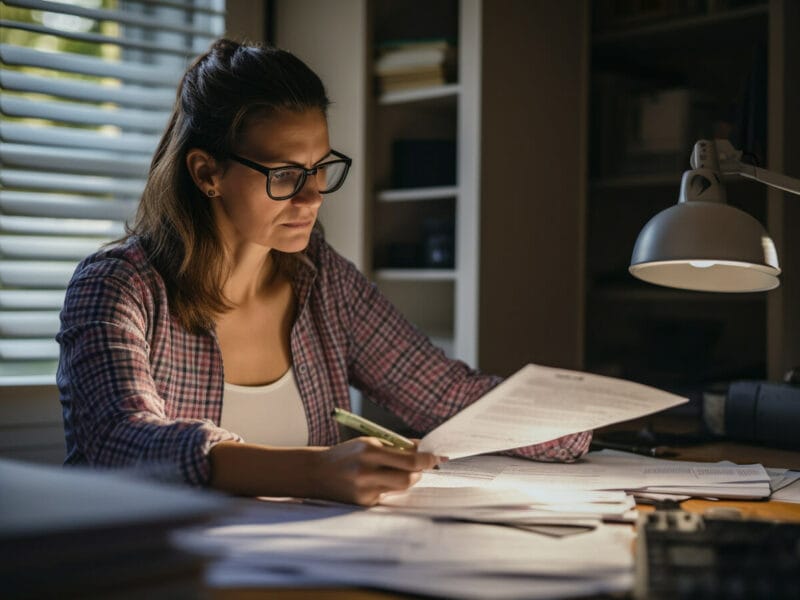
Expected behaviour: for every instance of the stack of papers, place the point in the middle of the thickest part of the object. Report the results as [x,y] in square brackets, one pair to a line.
[291,543]
[644,475]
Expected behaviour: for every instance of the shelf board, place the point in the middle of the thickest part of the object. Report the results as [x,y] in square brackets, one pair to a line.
[416,194]
[415,274]
[679,25]
[448,90]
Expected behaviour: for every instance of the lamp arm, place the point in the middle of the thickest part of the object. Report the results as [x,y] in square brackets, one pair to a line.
[776,180]
[730,163]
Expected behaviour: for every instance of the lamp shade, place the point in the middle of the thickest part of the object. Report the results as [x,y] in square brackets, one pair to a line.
[706,246]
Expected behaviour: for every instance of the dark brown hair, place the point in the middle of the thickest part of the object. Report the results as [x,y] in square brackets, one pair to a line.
[220,94]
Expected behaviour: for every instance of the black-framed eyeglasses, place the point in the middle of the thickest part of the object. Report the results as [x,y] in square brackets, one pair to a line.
[285,182]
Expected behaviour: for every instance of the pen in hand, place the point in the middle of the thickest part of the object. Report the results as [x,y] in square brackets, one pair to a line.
[367,427]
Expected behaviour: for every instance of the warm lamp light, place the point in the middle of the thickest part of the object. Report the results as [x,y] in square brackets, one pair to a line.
[704,244]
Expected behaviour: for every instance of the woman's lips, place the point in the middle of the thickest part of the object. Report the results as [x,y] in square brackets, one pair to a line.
[298,224]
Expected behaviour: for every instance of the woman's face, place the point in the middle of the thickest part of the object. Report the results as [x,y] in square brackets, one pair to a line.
[243,211]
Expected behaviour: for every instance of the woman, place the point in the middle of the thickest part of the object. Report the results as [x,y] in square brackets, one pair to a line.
[224,265]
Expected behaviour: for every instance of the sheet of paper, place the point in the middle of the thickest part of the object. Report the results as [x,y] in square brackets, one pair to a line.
[538,404]
[789,492]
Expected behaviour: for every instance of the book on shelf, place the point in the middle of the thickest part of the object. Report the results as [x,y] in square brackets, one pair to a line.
[411,64]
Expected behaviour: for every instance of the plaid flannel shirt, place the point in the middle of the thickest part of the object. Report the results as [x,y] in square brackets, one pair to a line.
[138,390]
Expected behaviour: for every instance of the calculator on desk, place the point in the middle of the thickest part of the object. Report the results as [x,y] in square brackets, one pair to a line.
[686,555]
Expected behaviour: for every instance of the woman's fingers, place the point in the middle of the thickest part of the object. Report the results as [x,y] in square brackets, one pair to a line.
[405,460]
[362,469]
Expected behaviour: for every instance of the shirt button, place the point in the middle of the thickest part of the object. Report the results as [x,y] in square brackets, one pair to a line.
[302,368]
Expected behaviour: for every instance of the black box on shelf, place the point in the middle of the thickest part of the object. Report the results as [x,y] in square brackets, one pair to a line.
[423,163]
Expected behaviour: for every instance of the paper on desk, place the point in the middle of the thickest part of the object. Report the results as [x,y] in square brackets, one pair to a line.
[297,535]
[538,404]
[789,489]
[416,579]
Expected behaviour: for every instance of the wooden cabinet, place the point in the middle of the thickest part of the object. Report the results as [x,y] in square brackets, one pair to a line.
[658,83]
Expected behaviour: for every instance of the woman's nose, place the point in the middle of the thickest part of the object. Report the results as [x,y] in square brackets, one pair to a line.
[309,193]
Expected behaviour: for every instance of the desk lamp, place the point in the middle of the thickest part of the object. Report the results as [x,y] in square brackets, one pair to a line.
[704,244]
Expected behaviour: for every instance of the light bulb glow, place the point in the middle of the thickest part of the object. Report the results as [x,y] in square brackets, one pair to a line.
[702,264]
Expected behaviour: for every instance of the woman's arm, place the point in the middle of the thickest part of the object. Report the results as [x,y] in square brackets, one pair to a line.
[357,471]
[114,415]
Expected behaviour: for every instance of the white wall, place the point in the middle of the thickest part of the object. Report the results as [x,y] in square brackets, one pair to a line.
[303,27]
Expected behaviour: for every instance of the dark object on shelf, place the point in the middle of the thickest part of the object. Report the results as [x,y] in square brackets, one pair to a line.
[423,163]
[439,243]
[404,255]
[757,411]
[685,555]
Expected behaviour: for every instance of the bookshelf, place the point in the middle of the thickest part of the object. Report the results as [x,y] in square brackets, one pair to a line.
[415,221]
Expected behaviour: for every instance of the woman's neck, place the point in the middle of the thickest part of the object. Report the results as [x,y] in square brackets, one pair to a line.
[251,271]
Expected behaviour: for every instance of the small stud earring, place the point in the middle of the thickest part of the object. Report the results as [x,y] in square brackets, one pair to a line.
[211,193]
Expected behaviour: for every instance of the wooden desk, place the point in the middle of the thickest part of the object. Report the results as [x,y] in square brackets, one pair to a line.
[712,451]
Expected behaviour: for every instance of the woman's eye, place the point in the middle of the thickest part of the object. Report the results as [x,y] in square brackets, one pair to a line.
[284,175]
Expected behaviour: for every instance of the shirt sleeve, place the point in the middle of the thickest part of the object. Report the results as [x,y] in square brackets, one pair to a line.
[398,367]
[113,413]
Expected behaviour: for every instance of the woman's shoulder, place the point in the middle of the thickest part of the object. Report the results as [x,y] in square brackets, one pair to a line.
[125,259]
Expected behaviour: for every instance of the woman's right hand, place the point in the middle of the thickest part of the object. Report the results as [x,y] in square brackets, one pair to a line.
[358,471]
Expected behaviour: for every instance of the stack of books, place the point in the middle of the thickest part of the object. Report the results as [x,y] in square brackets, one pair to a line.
[412,64]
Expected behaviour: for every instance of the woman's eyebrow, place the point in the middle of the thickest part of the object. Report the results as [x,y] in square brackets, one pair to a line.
[291,163]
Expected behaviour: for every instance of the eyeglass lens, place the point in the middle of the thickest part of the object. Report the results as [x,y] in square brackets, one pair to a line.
[287,181]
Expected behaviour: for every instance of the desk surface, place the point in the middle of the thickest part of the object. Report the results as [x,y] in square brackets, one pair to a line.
[711,451]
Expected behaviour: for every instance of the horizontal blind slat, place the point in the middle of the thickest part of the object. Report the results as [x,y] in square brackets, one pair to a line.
[60,182]
[29,324]
[31,299]
[75,161]
[81,114]
[125,18]
[36,274]
[183,50]
[51,226]
[213,7]
[31,247]
[159,98]
[33,204]
[88,65]
[28,349]
[71,137]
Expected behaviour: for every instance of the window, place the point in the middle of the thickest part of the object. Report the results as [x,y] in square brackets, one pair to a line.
[87,87]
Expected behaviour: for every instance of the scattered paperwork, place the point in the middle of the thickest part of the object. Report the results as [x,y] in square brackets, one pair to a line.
[484,482]
[538,404]
[293,543]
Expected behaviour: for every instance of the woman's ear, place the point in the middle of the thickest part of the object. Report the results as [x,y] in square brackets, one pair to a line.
[205,171]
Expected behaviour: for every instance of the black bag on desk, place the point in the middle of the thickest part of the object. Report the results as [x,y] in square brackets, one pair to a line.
[763,412]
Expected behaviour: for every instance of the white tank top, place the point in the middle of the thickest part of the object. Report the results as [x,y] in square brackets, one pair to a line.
[271,414]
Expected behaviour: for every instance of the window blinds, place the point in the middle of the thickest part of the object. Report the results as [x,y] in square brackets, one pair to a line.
[86,88]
